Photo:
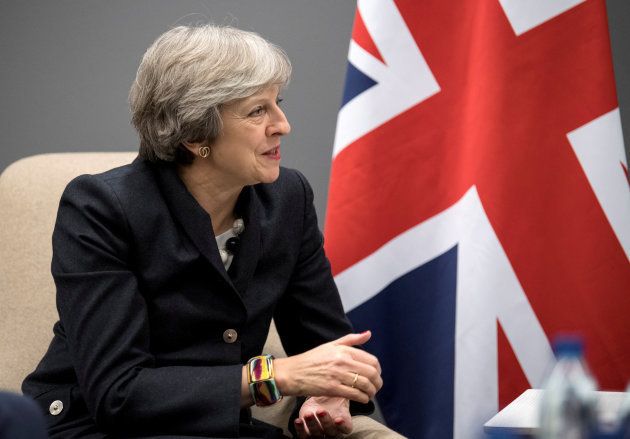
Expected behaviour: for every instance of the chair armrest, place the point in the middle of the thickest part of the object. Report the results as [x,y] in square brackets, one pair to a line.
[365,427]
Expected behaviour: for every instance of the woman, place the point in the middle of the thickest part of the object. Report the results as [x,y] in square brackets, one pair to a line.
[170,269]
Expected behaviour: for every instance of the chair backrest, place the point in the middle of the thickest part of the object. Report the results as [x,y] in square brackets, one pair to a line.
[30,190]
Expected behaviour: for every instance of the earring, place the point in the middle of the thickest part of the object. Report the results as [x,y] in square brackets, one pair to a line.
[204,151]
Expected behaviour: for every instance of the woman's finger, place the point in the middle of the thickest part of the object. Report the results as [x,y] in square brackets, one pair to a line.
[365,357]
[326,421]
[364,386]
[367,373]
[351,385]
[359,388]
[312,424]
[300,428]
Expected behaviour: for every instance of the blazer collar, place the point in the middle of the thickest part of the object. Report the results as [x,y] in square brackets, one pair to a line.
[197,224]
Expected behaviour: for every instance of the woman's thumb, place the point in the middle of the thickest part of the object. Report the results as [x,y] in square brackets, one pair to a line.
[353,339]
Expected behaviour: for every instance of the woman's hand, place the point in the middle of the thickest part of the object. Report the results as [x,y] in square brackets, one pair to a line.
[334,369]
[321,416]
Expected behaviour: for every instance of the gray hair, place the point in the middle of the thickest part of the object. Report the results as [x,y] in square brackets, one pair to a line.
[185,77]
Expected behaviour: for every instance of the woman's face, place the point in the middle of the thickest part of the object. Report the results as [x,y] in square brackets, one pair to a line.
[248,149]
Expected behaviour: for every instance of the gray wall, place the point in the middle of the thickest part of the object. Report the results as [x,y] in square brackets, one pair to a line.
[66,67]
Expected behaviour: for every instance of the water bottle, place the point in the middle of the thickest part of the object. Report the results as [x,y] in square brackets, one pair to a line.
[568,405]
[624,416]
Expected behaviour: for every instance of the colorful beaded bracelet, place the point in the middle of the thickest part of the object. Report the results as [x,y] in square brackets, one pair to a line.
[262,384]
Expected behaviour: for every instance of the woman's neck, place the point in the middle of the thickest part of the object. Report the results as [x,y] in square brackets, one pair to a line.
[213,195]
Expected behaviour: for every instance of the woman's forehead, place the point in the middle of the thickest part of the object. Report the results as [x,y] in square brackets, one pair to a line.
[266,93]
[270,91]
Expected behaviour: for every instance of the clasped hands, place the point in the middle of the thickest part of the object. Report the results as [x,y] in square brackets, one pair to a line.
[331,375]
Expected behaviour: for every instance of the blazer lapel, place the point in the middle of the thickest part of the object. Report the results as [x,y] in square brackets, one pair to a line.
[244,263]
[194,220]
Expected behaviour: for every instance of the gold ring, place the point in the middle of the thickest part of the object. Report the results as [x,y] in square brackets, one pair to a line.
[354,381]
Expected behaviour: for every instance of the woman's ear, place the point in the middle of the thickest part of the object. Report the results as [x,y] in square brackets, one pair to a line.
[193,147]
[198,149]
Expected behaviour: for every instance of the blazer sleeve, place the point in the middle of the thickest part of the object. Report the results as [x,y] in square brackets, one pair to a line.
[310,312]
[105,319]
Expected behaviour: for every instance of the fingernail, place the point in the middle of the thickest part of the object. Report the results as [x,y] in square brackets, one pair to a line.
[298,421]
[321,413]
[365,332]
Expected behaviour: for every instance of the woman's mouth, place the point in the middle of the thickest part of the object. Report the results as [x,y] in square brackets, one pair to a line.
[273,153]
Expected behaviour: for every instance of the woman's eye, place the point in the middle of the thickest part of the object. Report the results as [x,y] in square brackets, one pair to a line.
[257,111]
[279,100]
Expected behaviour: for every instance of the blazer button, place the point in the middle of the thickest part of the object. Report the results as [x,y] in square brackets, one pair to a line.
[55,408]
[230,335]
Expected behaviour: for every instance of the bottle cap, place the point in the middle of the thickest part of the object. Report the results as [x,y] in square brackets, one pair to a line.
[568,346]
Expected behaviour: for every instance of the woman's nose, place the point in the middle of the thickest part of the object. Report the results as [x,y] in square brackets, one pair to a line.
[280,125]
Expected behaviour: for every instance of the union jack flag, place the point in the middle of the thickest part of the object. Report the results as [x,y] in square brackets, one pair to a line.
[479,202]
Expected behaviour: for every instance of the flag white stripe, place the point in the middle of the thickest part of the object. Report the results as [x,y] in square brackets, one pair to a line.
[600,150]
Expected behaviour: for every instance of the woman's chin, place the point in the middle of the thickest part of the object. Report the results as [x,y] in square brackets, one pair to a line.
[270,177]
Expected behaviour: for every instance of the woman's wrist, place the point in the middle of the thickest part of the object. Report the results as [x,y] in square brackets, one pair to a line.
[261,378]
[284,378]
[281,376]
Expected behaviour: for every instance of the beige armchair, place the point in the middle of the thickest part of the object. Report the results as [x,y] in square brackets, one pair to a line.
[30,190]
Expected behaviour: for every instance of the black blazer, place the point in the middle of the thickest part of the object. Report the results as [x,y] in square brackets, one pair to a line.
[144,301]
